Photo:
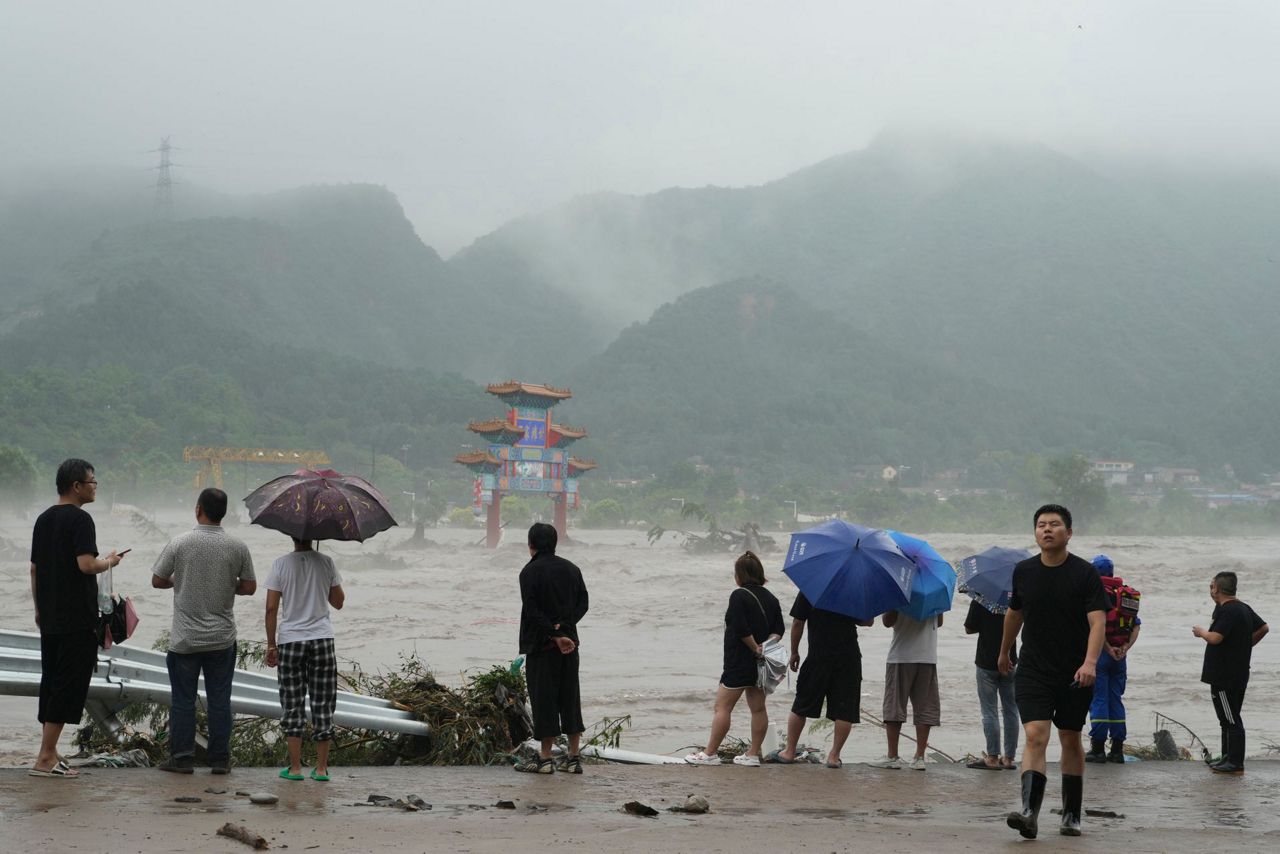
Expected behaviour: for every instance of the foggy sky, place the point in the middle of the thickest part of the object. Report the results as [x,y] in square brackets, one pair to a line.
[476,112]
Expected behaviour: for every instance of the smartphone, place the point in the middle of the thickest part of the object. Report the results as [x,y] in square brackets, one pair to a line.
[123,553]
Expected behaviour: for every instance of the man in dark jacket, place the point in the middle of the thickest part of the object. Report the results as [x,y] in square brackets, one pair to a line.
[553,600]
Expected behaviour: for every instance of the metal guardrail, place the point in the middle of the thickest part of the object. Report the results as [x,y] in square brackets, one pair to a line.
[126,674]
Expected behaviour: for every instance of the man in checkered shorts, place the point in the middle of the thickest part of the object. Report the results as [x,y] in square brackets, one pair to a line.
[300,588]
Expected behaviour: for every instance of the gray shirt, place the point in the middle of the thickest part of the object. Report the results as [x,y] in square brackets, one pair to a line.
[206,565]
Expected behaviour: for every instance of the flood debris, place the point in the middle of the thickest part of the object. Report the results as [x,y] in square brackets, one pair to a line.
[263,798]
[409,803]
[637,808]
[187,799]
[694,805]
[243,834]
[505,805]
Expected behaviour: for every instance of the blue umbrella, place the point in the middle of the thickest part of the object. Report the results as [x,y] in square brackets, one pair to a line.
[987,577]
[934,584]
[849,569]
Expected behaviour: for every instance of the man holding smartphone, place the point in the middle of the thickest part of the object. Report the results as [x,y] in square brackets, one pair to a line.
[1060,602]
[64,561]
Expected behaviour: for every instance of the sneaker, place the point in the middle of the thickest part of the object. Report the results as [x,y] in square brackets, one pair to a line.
[571,765]
[533,766]
[178,765]
[917,763]
[891,762]
[749,761]
[701,758]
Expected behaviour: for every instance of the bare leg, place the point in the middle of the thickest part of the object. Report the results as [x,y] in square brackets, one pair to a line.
[1072,752]
[1037,738]
[892,729]
[575,744]
[795,726]
[322,756]
[295,753]
[922,739]
[842,730]
[546,747]
[48,756]
[759,720]
[726,699]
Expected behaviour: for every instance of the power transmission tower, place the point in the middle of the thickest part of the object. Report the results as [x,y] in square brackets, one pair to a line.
[164,180]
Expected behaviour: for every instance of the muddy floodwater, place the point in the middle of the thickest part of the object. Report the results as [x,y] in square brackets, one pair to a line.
[651,644]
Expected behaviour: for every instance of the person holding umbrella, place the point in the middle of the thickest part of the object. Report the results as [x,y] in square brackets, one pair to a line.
[1059,605]
[753,617]
[302,586]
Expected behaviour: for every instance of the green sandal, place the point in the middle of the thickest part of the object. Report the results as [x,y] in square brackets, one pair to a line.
[285,775]
[315,775]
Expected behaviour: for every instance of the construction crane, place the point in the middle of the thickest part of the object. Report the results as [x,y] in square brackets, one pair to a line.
[211,460]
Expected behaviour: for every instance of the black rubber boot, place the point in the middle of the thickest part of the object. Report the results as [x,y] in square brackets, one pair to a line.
[1026,822]
[1072,804]
[1097,751]
[1117,752]
[1233,764]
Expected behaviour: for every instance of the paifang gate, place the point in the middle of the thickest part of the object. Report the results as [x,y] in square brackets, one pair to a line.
[527,453]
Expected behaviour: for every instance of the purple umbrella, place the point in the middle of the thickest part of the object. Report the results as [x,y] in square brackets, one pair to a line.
[320,505]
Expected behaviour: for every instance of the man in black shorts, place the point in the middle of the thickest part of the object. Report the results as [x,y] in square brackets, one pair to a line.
[1229,642]
[1059,600]
[832,672]
[64,561]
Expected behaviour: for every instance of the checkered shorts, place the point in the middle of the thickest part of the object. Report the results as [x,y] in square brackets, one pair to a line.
[308,667]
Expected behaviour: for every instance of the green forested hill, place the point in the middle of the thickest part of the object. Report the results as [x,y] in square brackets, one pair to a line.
[1132,295]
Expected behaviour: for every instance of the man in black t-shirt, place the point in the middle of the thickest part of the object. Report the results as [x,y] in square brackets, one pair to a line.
[1230,639]
[832,672]
[64,560]
[1060,606]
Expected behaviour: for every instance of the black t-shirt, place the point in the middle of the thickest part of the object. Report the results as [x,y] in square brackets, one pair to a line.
[745,617]
[1055,602]
[66,597]
[990,630]
[831,635]
[551,592]
[1227,664]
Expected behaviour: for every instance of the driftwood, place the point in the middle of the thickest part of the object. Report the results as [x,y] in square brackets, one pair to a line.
[243,834]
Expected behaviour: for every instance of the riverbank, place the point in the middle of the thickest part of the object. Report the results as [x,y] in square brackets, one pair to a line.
[1163,806]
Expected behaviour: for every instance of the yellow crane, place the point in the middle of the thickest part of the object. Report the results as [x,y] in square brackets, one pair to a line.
[212,458]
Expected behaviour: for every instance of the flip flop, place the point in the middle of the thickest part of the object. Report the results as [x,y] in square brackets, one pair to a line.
[776,757]
[315,775]
[837,764]
[285,775]
[979,763]
[59,769]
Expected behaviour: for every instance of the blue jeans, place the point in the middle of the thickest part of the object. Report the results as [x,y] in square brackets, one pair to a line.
[1107,711]
[219,668]
[993,688]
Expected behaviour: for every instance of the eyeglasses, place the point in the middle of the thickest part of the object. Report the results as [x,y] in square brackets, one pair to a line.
[88,482]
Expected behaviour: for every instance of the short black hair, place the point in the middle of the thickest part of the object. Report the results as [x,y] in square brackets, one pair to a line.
[213,503]
[1052,508]
[1226,582]
[543,537]
[71,472]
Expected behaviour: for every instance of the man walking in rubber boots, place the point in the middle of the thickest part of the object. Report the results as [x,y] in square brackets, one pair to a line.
[1059,605]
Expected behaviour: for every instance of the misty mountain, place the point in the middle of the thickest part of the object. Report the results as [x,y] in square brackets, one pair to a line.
[1143,295]
[750,375]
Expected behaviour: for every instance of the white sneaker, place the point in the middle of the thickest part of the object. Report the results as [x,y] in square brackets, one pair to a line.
[891,762]
[917,763]
[701,758]
[749,761]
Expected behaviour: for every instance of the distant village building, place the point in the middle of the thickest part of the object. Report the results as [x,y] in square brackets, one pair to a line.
[1112,472]
[1173,476]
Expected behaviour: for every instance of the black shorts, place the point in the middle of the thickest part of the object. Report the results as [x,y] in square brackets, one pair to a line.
[838,681]
[1044,697]
[66,666]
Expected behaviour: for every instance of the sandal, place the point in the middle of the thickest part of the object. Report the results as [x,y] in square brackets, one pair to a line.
[317,776]
[775,756]
[536,766]
[981,763]
[59,769]
[285,775]
[701,758]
